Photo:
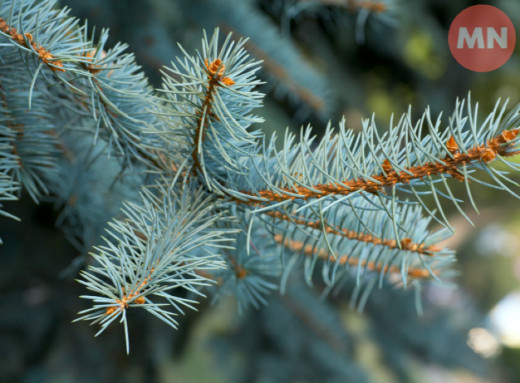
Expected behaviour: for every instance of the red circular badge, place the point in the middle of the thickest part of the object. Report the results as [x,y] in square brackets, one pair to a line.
[482,38]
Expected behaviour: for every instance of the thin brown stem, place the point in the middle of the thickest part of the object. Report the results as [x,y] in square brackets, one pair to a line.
[405,243]
[26,40]
[324,255]
[216,78]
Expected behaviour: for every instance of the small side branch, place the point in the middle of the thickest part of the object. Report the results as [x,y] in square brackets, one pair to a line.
[346,260]
[136,294]
[375,184]
[405,243]
[215,78]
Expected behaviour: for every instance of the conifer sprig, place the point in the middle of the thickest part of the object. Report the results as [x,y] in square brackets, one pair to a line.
[94,82]
[415,158]
[159,246]
[360,239]
[209,99]
[226,207]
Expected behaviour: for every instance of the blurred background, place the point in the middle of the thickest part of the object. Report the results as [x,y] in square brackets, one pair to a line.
[322,60]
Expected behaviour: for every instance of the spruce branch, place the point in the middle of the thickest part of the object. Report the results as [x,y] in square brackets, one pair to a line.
[222,207]
[503,145]
[40,31]
[347,260]
[359,239]
[341,12]
[413,158]
[94,83]
[406,243]
[159,246]
[208,114]
[215,78]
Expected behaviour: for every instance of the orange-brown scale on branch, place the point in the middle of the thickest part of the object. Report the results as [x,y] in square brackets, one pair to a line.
[27,41]
[309,250]
[240,271]
[406,243]
[216,78]
[216,71]
[376,184]
[452,145]
[92,68]
[387,166]
[126,299]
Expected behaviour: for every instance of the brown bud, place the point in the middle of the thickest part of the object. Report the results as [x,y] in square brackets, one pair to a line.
[488,155]
[451,144]
[139,301]
[227,81]
[387,167]
[509,135]
[110,310]
[406,243]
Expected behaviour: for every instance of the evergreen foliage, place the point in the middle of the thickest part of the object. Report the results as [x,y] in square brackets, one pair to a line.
[218,203]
